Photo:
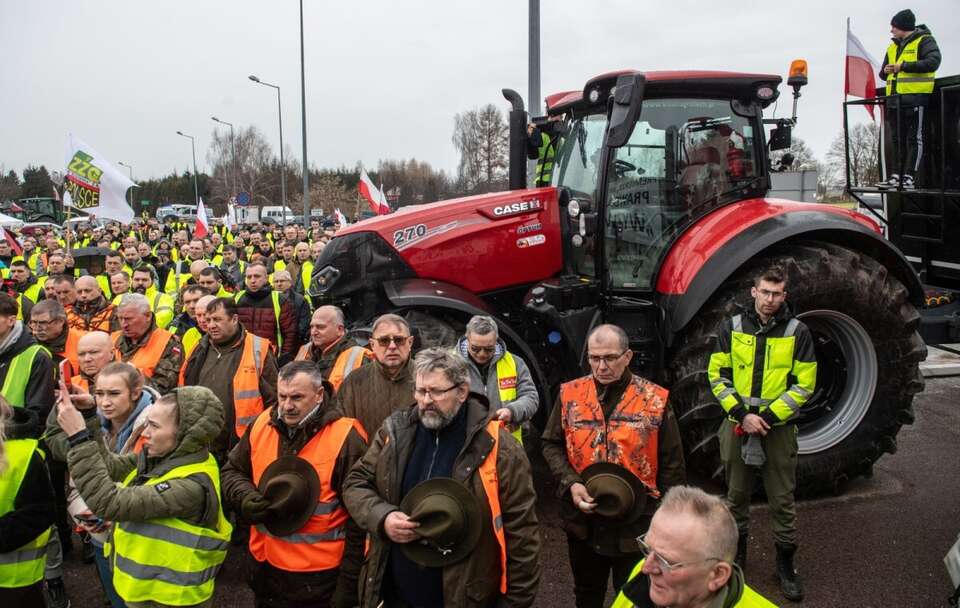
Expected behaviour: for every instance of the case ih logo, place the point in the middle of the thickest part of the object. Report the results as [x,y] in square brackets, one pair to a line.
[515,208]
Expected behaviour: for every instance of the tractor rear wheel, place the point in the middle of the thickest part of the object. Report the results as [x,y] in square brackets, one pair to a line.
[868,354]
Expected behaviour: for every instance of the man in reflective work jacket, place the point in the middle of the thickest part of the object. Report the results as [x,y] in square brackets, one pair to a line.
[317,564]
[154,351]
[498,374]
[762,370]
[169,534]
[335,354]
[698,538]
[909,69]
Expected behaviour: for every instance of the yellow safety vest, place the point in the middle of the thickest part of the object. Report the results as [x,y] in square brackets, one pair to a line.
[168,560]
[18,374]
[275,296]
[23,566]
[507,384]
[908,83]
[748,597]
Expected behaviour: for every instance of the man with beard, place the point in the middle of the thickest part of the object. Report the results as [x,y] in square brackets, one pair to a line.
[267,313]
[91,311]
[160,303]
[238,366]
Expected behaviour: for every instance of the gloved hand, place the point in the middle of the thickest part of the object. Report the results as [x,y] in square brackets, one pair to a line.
[254,507]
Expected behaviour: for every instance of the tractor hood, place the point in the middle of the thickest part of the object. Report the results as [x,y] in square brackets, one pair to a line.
[481,243]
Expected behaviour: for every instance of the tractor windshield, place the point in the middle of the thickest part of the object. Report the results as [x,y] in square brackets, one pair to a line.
[684,156]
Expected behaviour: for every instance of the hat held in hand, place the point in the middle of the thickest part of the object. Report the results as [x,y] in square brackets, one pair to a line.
[618,493]
[292,486]
[449,517]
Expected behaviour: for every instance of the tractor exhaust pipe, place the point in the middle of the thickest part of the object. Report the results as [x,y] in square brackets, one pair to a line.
[518,140]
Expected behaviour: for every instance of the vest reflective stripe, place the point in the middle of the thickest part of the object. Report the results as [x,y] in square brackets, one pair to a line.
[349,360]
[247,401]
[275,297]
[545,154]
[320,543]
[908,83]
[18,374]
[24,565]
[148,355]
[491,487]
[748,597]
[168,560]
[628,437]
[507,385]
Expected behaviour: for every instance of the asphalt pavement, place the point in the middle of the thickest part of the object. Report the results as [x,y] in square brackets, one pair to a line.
[880,544]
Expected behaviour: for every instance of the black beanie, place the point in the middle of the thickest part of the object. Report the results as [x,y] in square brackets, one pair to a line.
[904,20]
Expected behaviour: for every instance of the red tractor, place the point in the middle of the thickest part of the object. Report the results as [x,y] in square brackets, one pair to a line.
[656,220]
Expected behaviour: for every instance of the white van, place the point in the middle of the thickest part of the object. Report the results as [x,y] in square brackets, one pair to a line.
[275,214]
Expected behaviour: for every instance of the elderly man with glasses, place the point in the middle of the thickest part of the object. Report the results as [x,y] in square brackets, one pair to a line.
[336,354]
[688,558]
[611,416]
[498,374]
[373,392]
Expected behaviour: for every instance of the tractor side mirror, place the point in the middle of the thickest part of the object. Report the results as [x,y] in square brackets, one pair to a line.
[626,105]
[781,138]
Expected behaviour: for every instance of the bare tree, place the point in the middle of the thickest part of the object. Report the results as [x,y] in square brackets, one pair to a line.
[864,157]
[255,169]
[803,157]
[480,136]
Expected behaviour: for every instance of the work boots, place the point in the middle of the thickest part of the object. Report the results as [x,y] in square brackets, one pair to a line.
[742,550]
[790,584]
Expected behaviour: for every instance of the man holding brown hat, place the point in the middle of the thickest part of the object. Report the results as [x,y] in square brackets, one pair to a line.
[447,498]
[285,477]
[614,446]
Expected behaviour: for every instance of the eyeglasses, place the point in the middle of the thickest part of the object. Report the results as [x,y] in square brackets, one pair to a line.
[771,295]
[41,324]
[435,393]
[483,349]
[385,341]
[596,360]
[662,563]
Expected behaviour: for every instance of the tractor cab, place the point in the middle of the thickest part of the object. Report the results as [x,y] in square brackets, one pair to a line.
[681,144]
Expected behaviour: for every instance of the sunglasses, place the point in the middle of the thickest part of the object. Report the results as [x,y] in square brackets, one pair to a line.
[483,349]
[385,341]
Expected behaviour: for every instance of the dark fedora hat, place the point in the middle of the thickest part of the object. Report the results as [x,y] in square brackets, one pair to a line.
[291,485]
[619,494]
[449,517]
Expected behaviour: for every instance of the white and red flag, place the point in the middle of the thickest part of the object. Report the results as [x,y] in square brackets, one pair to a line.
[861,71]
[375,198]
[341,218]
[12,241]
[202,227]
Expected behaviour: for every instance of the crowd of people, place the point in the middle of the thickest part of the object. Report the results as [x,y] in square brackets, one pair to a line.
[176,398]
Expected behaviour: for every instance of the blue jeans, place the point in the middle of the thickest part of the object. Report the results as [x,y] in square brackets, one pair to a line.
[106,577]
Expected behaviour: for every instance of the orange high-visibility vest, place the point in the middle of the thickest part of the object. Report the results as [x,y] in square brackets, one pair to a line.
[247,400]
[148,355]
[348,361]
[320,543]
[491,487]
[628,438]
[70,347]
[80,382]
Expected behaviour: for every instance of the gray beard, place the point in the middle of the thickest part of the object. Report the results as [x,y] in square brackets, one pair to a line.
[434,420]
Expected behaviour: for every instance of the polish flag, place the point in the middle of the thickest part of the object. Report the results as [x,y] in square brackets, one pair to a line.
[861,71]
[341,218]
[202,227]
[375,198]
[12,241]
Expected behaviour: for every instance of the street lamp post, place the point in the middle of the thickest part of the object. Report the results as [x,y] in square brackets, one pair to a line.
[193,149]
[303,107]
[283,166]
[233,154]
[130,170]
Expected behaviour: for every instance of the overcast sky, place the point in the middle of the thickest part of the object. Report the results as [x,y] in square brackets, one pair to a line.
[383,78]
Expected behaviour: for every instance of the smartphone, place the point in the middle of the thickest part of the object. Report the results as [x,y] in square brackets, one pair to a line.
[66,371]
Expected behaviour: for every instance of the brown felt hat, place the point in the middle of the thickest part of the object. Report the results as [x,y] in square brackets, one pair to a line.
[292,486]
[619,494]
[449,517]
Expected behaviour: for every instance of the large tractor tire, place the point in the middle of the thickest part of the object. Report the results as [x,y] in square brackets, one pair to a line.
[868,354]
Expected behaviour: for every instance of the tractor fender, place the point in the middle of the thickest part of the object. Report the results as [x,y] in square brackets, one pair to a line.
[714,247]
[437,295]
